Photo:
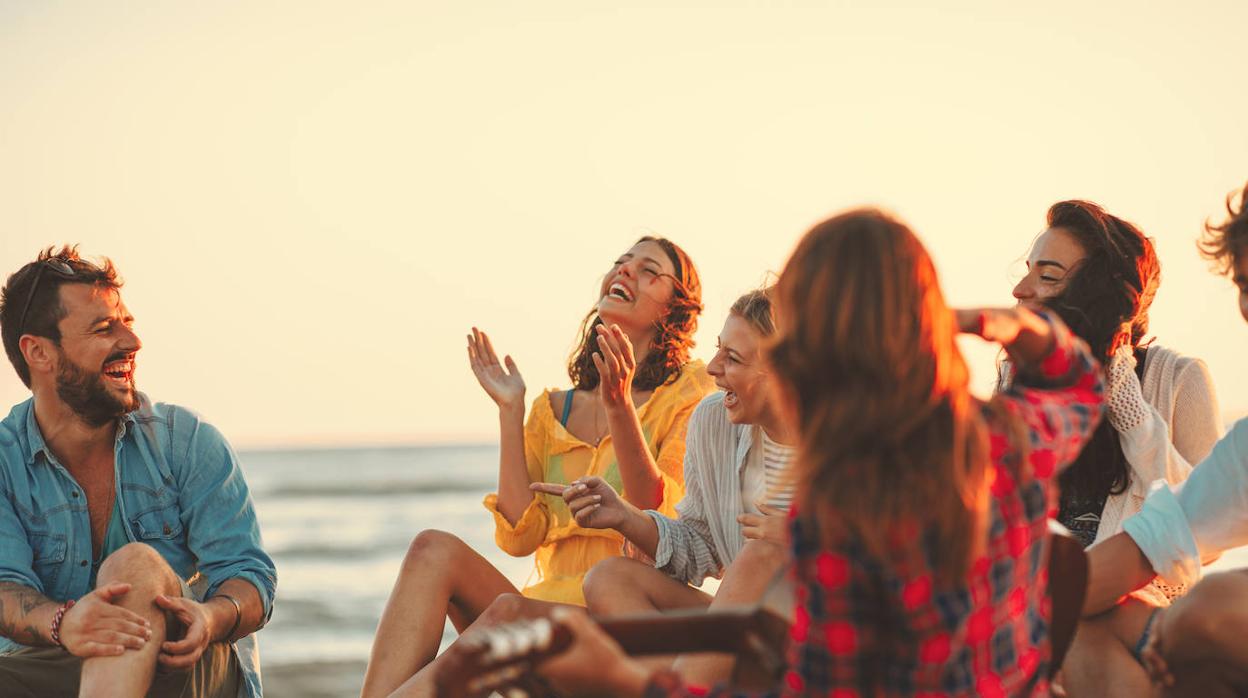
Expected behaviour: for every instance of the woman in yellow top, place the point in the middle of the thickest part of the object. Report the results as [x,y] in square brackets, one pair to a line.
[634,389]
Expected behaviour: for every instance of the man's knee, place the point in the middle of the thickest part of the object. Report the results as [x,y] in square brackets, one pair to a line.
[139,563]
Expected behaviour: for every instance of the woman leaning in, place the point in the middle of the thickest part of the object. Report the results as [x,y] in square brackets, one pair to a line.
[919,520]
[624,419]
[732,521]
[1099,273]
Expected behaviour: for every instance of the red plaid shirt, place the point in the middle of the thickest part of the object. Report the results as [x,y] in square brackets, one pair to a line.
[866,626]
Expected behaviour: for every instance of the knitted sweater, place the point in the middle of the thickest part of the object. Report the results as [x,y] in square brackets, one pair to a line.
[1182,428]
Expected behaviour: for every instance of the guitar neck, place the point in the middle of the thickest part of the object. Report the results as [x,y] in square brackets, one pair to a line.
[697,630]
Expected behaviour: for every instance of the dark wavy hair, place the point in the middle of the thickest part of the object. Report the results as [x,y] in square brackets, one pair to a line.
[673,336]
[45,310]
[1227,242]
[1105,301]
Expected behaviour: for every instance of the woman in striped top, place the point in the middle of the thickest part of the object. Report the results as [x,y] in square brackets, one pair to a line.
[731,523]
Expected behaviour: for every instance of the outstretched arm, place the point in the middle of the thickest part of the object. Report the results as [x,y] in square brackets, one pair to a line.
[594,504]
[1116,567]
[505,386]
[1057,393]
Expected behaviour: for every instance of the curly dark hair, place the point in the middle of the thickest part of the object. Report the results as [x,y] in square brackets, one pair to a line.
[1105,302]
[673,337]
[44,310]
[1227,242]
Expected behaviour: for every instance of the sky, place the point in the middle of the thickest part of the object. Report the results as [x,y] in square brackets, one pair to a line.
[312,203]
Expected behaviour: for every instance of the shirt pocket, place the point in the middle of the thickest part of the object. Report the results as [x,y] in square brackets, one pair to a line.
[163,522]
[50,551]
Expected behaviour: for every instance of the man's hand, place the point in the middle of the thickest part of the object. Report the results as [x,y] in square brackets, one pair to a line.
[183,654]
[1151,657]
[771,525]
[96,627]
[593,664]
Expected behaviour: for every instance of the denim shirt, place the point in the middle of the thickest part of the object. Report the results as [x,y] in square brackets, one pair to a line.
[180,491]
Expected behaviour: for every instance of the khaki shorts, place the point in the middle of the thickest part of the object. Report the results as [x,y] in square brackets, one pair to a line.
[51,672]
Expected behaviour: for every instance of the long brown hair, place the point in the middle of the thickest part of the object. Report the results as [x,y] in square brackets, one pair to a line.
[892,444]
[673,336]
[1105,302]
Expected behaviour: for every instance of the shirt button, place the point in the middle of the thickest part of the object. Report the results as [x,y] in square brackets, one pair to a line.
[74,494]
[82,564]
[167,529]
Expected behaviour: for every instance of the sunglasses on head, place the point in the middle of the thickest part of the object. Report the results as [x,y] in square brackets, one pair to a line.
[56,266]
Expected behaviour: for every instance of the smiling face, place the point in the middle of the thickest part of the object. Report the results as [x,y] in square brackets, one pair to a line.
[95,362]
[636,292]
[1052,261]
[751,393]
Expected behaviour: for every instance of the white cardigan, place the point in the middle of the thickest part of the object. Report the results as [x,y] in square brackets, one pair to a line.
[1180,430]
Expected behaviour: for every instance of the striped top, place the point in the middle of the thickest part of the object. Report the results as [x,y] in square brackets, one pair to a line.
[776,459]
[705,537]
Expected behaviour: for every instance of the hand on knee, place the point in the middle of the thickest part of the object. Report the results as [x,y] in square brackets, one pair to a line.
[95,626]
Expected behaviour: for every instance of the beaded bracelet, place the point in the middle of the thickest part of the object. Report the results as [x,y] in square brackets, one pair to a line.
[56,622]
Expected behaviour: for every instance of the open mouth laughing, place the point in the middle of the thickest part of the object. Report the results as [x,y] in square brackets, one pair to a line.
[620,292]
[120,372]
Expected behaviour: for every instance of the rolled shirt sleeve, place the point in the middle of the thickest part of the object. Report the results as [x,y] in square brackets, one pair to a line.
[1183,525]
[217,512]
[527,533]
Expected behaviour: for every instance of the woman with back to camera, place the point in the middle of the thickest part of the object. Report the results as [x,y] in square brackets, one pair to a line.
[1100,274]
[918,526]
[634,388]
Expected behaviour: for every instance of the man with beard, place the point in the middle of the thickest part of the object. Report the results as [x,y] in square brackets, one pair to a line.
[130,556]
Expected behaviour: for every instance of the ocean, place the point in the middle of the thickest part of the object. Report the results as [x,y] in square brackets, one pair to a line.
[338,523]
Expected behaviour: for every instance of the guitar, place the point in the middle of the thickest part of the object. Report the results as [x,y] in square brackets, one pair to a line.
[756,635]
[500,656]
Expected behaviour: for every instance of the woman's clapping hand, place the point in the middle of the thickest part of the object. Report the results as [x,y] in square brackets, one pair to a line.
[502,382]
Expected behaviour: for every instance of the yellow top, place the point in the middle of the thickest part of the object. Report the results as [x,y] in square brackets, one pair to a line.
[565,551]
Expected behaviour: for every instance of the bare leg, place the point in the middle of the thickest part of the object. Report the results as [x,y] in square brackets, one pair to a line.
[130,674]
[506,608]
[745,582]
[441,577]
[1202,638]
[619,586]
